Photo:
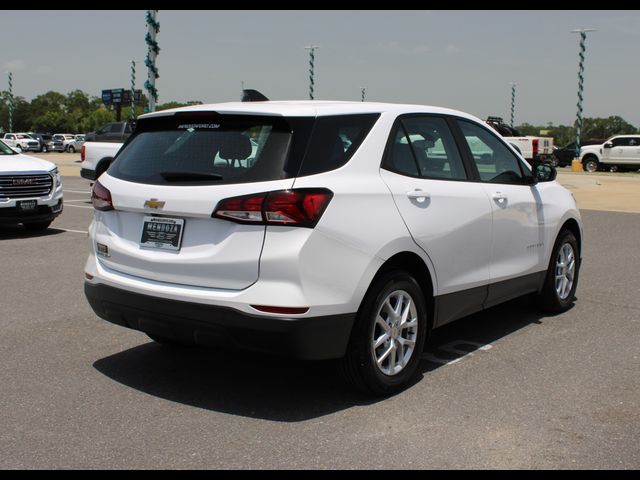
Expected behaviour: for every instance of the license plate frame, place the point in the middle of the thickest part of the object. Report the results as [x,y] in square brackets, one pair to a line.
[27,205]
[162,233]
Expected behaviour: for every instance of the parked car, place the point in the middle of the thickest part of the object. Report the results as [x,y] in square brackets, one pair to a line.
[565,155]
[57,142]
[75,145]
[30,190]
[43,138]
[620,152]
[350,232]
[23,142]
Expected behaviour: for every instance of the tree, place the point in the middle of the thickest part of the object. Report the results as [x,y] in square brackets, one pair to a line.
[605,127]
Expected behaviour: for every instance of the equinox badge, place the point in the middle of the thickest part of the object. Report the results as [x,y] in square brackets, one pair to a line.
[153,203]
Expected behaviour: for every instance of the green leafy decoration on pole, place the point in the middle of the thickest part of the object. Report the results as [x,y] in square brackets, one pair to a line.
[11,105]
[150,60]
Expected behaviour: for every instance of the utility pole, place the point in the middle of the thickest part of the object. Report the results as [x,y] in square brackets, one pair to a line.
[513,102]
[312,57]
[583,37]
[150,61]
[10,102]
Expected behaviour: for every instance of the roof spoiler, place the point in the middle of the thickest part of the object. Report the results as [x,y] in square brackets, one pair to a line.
[249,95]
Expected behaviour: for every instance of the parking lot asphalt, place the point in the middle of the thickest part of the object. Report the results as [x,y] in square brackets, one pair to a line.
[505,388]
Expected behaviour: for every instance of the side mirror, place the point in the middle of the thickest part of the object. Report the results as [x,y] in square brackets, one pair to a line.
[608,145]
[544,172]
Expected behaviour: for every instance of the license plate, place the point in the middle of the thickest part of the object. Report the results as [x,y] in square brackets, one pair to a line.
[27,204]
[162,232]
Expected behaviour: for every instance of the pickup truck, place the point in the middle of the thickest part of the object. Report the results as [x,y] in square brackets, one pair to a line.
[111,132]
[30,190]
[620,152]
[96,158]
[22,141]
[532,148]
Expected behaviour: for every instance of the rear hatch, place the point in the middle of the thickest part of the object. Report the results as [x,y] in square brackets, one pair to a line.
[165,184]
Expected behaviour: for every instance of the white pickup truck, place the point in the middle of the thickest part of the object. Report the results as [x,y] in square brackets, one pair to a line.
[621,152]
[30,190]
[532,148]
[96,158]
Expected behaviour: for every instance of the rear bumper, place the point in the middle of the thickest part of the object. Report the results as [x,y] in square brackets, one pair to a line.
[311,338]
[88,174]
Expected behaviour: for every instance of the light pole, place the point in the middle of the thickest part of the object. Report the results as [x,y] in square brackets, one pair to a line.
[583,37]
[133,90]
[513,102]
[312,57]
[150,61]
[10,102]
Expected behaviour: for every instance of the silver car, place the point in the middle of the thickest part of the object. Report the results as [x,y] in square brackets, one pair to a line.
[75,145]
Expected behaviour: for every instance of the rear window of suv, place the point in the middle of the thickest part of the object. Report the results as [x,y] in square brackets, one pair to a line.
[209,148]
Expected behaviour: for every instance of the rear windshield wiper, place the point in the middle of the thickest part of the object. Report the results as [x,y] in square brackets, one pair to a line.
[189,176]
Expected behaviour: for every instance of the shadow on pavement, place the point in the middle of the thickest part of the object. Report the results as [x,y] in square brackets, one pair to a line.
[281,389]
[10,232]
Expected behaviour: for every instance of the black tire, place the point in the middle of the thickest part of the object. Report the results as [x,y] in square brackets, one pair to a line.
[71,150]
[37,226]
[549,298]
[590,164]
[359,367]
[44,149]
[164,341]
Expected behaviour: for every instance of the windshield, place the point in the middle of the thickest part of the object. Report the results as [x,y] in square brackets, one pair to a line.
[5,149]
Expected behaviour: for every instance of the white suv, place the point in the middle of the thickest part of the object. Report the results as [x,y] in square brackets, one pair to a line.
[343,231]
[30,190]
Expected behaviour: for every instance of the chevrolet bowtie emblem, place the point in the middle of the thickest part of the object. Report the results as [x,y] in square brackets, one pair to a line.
[153,203]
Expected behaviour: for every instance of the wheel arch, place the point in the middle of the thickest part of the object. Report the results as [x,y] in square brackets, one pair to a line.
[414,265]
[103,165]
[572,225]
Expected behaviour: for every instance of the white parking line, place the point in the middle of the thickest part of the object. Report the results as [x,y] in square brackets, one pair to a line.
[66,204]
[450,347]
[69,230]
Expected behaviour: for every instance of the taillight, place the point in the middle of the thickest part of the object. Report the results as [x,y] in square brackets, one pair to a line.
[535,146]
[101,197]
[301,208]
[82,154]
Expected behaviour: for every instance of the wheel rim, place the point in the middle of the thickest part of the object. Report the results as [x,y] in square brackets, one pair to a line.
[395,333]
[591,166]
[565,271]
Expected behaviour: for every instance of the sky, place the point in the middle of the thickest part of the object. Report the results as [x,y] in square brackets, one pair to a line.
[459,59]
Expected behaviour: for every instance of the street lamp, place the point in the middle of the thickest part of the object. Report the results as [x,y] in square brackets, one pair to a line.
[583,37]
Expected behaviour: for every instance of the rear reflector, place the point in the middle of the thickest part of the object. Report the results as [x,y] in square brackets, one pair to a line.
[101,197]
[283,310]
[302,207]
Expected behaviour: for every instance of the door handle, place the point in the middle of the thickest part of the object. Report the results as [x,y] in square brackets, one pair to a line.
[418,195]
[500,198]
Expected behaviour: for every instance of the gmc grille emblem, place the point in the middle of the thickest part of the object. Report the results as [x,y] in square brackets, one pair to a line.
[23,181]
